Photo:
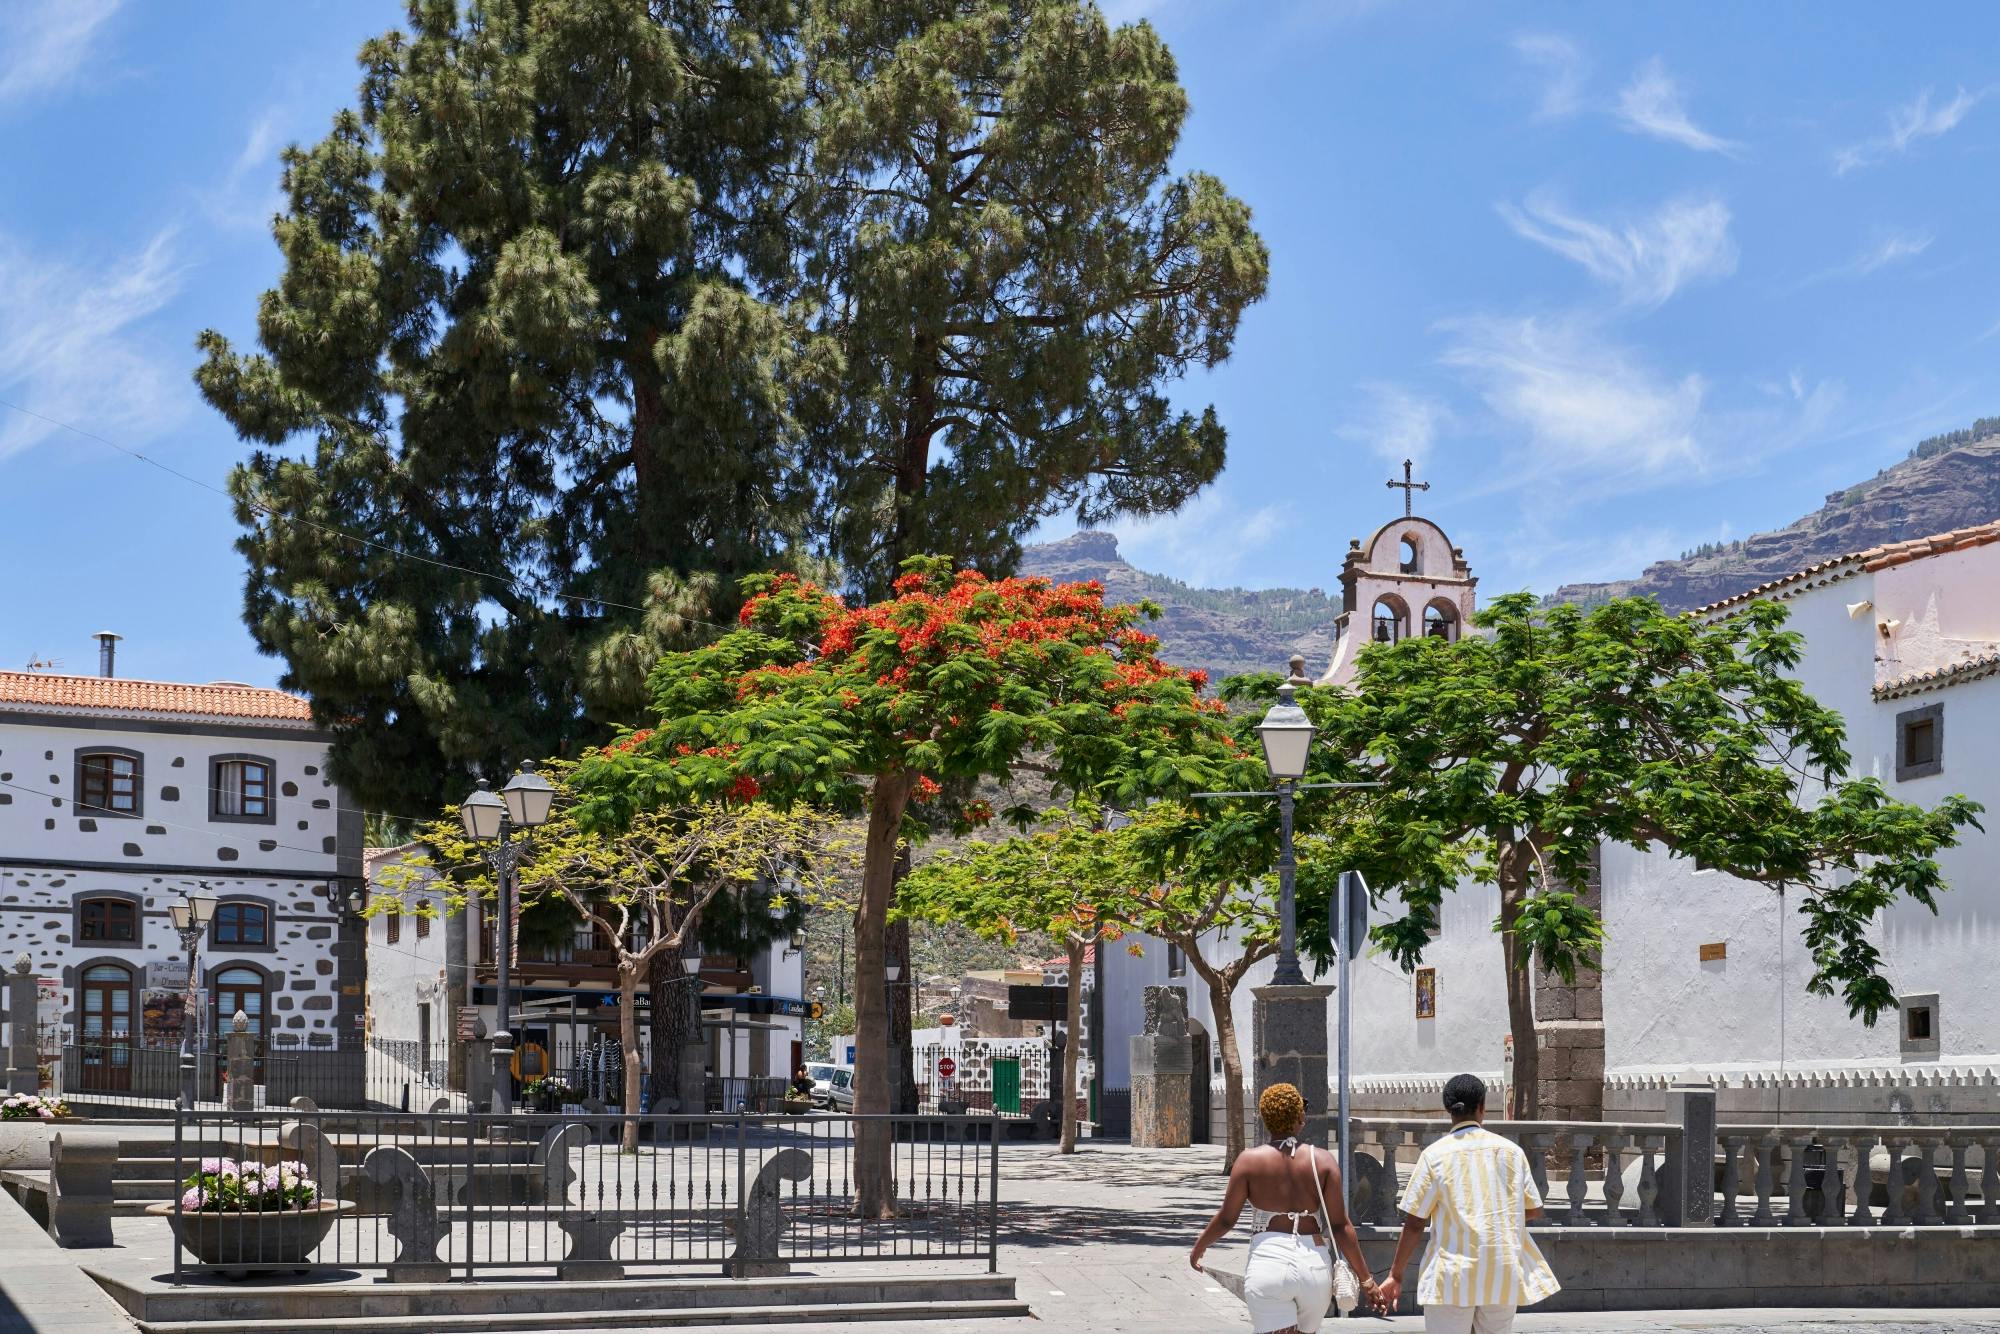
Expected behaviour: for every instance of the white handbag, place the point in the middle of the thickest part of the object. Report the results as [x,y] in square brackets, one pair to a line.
[1346,1287]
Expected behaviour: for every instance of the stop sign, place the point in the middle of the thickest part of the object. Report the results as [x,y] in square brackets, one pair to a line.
[947,1067]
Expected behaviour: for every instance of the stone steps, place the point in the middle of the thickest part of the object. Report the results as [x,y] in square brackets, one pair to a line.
[678,1302]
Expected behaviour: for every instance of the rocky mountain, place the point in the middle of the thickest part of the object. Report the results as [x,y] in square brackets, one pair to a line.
[1948,481]
[1223,631]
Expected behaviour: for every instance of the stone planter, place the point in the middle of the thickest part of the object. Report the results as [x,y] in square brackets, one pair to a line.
[244,1243]
[796,1106]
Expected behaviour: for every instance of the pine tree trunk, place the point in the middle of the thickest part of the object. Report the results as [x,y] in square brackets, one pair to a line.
[1221,992]
[628,1038]
[874,1144]
[1525,1104]
[1073,1020]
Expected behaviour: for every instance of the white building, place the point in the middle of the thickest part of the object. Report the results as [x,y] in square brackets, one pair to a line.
[119,797]
[1702,971]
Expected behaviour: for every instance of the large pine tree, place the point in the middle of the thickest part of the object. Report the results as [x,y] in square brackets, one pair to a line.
[519,329]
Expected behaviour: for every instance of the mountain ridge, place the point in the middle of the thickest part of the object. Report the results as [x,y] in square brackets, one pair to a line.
[1947,482]
[1222,631]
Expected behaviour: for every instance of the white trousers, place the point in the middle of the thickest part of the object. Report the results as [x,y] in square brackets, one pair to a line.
[1288,1281]
[1469,1319]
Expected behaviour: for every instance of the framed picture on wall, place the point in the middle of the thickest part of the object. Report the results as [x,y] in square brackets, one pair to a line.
[1427,993]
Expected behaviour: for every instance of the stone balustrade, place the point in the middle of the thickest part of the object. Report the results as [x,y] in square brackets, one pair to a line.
[1643,1174]
[1607,1174]
[1927,1175]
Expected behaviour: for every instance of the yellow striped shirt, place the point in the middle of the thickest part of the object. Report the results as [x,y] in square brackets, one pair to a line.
[1476,1190]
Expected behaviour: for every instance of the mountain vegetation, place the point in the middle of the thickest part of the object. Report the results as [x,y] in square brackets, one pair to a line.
[1948,481]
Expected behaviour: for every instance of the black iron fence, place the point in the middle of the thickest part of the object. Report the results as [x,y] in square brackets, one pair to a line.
[457,1195]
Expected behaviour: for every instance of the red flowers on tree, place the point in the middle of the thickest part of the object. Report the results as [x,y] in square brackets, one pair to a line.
[956,677]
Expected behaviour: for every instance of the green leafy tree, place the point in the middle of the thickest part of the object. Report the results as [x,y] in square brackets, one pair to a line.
[955,678]
[644,887]
[521,327]
[1556,730]
[1054,881]
[1008,274]
[1199,882]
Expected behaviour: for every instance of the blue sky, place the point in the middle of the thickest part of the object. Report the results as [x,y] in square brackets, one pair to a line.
[1622,279]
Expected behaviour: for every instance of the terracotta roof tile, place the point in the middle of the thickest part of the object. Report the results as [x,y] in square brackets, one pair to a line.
[1951,674]
[112,694]
[1871,559]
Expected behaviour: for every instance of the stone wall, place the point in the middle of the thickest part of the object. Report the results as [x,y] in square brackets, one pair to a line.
[1569,1021]
[311,960]
[1642,1269]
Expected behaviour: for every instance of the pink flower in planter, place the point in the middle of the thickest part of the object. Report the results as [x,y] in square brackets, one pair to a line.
[194,1199]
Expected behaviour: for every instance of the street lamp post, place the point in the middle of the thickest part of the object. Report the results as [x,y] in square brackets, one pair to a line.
[1291,1003]
[191,917]
[1287,735]
[522,804]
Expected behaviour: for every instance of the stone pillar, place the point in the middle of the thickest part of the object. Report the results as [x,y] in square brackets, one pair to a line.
[1569,1022]
[502,1088]
[23,1066]
[240,1093]
[80,1190]
[1288,1036]
[1162,1071]
[1687,1183]
[478,1062]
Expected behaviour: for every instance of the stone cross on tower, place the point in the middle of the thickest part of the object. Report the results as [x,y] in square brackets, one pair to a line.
[1410,488]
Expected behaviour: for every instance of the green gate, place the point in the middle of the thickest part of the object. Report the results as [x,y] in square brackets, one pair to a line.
[1007,1085]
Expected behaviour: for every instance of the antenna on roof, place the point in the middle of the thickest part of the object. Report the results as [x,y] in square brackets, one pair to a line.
[41,665]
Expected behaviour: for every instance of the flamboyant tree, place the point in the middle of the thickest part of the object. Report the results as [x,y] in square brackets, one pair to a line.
[956,677]
[1553,731]
[523,327]
[645,887]
[1059,880]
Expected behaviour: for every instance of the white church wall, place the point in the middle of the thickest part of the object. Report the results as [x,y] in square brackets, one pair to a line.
[1470,1030]
[1667,1010]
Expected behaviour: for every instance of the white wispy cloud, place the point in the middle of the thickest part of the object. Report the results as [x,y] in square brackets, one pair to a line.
[1589,412]
[247,195]
[45,43]
[1891,250]
[1211,540]
[1914,120]
[1651,104]
[1398,424]
[1560,63]
[1647,259]
[72,346]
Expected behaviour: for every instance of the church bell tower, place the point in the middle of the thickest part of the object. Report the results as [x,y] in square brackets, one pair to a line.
[1407,579]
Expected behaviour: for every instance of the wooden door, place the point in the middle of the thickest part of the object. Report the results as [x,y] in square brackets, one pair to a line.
[237,990]
[106,1008]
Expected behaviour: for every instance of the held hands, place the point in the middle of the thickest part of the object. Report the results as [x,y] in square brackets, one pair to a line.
[1389,1293]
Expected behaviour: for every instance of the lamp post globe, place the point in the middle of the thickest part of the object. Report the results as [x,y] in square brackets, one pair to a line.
[528,797]
[1286,732]
[480,814]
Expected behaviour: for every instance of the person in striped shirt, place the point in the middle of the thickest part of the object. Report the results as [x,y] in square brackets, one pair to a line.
[1477,1189]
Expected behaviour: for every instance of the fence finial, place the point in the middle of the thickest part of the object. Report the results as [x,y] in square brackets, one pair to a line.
[240,1024]
[23,964]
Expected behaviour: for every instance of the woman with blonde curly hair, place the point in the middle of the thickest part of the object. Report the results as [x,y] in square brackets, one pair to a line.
[1294,1200]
